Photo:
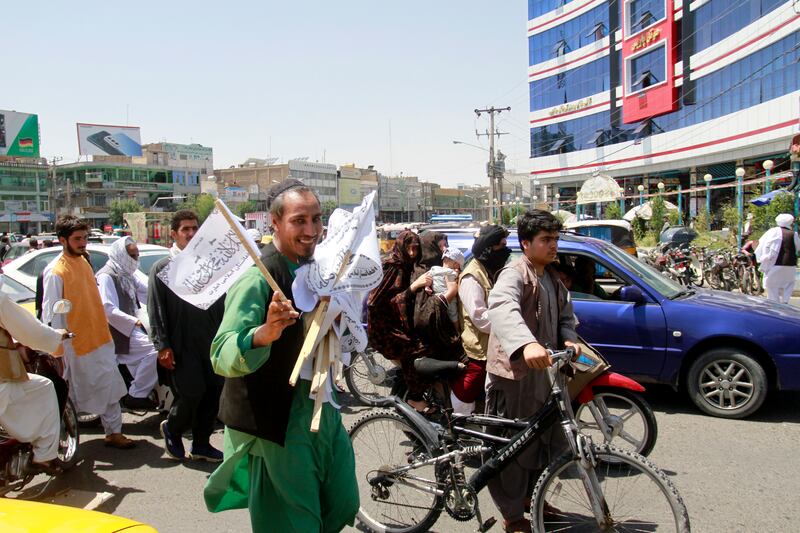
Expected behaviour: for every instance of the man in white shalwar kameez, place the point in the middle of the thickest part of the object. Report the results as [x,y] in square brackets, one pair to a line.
[119,290]
[777,257]
[28,402]
[96,385]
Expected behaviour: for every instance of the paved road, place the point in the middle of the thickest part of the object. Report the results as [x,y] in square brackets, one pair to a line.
[733,475]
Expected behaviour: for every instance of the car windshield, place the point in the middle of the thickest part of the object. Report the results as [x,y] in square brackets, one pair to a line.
[665,286]
[148,259]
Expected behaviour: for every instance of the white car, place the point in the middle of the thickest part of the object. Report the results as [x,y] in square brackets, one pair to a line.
[25,269]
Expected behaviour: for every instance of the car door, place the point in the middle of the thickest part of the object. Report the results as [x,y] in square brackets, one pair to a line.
[632,336]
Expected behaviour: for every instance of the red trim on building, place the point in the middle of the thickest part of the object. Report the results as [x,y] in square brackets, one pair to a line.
[561,16]
[736,137]
[570,112]
[562,65]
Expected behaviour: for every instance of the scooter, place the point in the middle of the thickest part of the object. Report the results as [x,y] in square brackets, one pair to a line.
[16,468]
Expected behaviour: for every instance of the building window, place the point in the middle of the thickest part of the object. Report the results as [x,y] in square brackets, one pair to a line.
[716,20]
[642,14]
[575,33]
[647,69]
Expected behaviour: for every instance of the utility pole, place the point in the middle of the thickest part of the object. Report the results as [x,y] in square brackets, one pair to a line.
[495,181]
[51,191]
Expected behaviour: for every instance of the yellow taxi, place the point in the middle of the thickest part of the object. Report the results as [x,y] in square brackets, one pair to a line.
[17,516]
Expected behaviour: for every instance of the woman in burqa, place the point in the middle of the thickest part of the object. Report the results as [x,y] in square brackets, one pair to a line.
[390,312]
[433,325]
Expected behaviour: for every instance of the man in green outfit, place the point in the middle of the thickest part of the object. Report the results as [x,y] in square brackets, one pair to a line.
[289,478]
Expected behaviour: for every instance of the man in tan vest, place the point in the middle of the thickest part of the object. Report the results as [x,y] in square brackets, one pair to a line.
[530,312]
[490,253]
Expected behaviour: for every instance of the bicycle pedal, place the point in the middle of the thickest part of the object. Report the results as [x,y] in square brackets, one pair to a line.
[487,525]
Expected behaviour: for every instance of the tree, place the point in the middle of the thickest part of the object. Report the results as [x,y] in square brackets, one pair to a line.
[613,211]
[327,207]
[658,210]
[246,207]
[119,207]
[202,204]
[702,222]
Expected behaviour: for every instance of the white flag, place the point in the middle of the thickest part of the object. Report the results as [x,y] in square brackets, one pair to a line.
[210,263]
[347,232]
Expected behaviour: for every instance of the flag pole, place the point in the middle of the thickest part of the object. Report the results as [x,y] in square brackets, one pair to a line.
[314,333]
[220,205]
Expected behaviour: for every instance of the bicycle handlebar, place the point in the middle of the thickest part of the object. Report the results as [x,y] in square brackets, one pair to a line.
[565,355]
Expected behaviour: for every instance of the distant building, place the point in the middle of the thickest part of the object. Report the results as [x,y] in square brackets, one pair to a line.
[24,195]
[86,189]
[190,163]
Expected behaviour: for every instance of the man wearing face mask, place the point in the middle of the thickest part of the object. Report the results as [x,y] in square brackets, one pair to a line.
[490,254]
[121,292]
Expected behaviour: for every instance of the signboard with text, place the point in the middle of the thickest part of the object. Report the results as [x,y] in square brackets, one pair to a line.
[648,60]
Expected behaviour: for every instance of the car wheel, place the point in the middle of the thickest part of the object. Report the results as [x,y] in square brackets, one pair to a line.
[727,382]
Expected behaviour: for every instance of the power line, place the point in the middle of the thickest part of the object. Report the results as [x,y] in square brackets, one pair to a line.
[495,184]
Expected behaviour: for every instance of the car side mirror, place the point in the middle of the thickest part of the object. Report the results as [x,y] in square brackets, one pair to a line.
[631,293]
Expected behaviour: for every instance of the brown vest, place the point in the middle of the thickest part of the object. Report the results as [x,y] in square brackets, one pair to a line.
[498,362]
[475,341]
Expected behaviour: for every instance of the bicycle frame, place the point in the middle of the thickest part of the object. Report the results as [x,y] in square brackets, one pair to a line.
[557,409]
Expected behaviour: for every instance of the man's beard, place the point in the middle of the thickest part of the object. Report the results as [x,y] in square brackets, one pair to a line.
[74,252]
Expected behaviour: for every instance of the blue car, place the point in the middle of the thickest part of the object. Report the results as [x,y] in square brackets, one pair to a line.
[725,350]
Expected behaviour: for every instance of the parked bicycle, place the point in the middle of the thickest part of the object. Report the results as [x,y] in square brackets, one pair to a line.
[412,469]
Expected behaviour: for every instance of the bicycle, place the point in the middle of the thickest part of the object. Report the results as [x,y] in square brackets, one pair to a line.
[370,377]
[414,469]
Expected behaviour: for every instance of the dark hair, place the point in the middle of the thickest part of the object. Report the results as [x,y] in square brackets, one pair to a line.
[66,225]
[180,216]
[33,243]
[534,221]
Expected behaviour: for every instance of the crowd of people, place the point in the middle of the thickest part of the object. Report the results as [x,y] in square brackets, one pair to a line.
[506,318]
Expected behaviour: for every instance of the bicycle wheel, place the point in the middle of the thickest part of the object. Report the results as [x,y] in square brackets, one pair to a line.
[629,416]
[638,495]
[382,441]
[369,376]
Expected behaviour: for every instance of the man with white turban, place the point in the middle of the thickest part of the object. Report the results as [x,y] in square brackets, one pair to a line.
[777,256]
[121,291]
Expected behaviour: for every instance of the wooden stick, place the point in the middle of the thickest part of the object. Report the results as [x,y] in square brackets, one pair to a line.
[313,335]
[318,400]
[243,239]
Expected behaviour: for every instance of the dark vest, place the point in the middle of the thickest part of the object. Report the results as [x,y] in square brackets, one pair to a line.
[787,256]
[122,343]
[259,403]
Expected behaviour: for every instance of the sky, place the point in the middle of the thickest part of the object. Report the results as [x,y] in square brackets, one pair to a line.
[370,82]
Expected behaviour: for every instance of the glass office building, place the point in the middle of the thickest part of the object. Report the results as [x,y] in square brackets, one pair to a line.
[650,91]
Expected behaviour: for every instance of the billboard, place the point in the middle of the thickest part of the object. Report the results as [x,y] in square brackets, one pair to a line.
[19,134]
[349,192]
[100,139]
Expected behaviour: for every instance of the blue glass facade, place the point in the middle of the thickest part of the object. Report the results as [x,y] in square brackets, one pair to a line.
[537,8]
[572,84]
[645,13]
[764,75]
[648,68]
[573,34]
[717,19]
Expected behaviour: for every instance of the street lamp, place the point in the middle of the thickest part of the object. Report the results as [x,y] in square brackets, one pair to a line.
[558,196]
[768,164]
[660,187]
[740,200]
[640,188]
[707,178]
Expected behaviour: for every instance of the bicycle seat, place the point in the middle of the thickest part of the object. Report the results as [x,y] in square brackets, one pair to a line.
[434,368]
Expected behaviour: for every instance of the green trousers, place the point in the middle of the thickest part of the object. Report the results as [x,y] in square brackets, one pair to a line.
[306,486]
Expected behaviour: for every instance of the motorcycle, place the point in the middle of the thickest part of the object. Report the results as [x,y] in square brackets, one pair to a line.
[611,407]
[16,468]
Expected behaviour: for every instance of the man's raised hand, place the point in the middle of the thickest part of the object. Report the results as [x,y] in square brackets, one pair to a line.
[280,315]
